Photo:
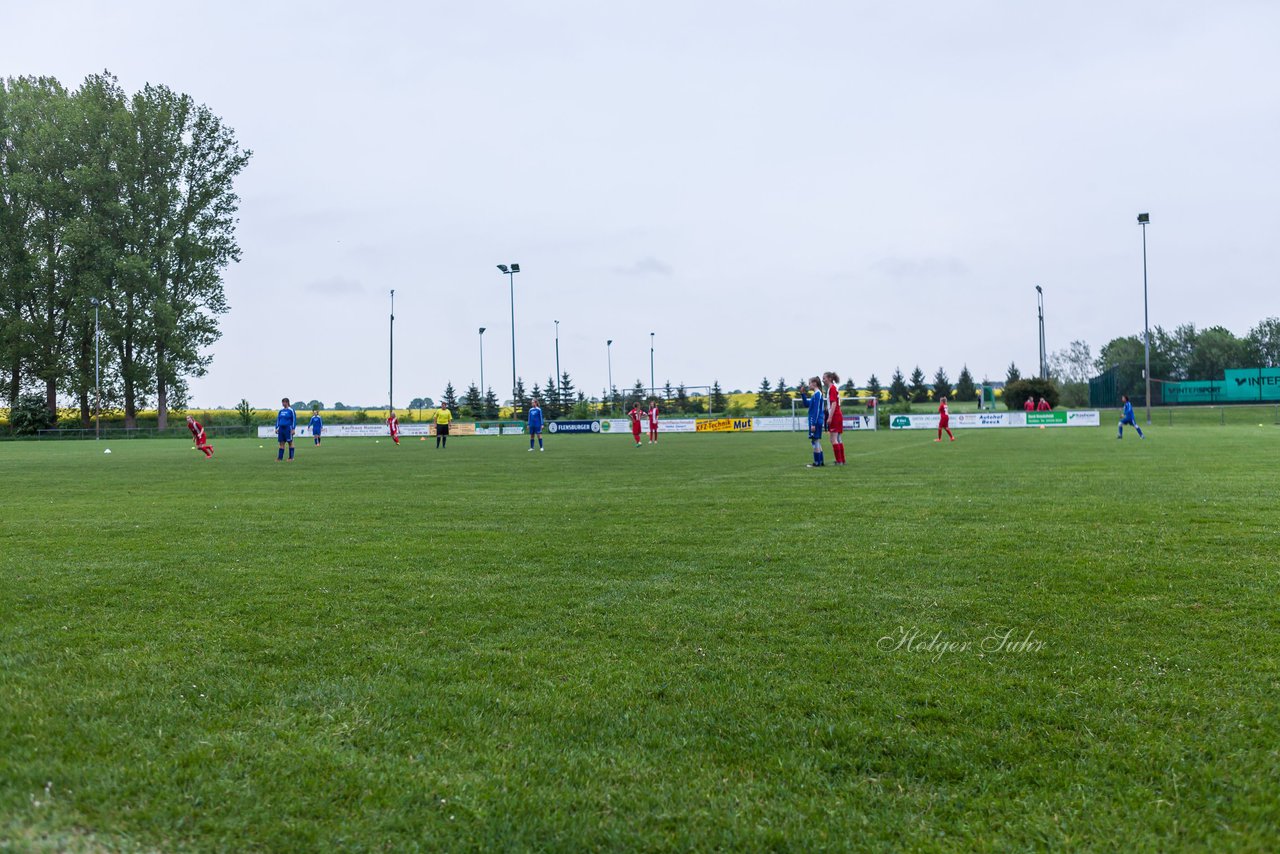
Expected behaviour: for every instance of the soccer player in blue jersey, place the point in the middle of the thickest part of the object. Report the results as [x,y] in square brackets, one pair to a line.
[286,421]
[1126,417]
[817,418]
[535,424]
[317,425]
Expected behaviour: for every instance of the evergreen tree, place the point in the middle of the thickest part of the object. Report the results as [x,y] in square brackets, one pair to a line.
[941,385]
[718,401]
[551,406]
[898,387]
[965,388]
[1012,375]
[490,405]
[681,402]
[520,405]
[615,401]
[667,395]
[781,395]
[473,402]
[639,394]
[849,389]
[919,391]
[567,395]
[450,399]
[873,387]
[765,404]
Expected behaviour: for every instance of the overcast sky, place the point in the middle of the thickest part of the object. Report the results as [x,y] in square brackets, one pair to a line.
[770,188]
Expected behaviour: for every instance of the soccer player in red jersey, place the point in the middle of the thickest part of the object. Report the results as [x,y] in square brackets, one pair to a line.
[1044,405]
[944,418]
[197,434]
[835,418]
[653,421]
[394,424]
[634,415]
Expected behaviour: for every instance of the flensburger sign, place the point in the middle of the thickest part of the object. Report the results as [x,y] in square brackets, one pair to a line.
[559,427]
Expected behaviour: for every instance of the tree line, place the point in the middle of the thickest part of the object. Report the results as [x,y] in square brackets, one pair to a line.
[120,203]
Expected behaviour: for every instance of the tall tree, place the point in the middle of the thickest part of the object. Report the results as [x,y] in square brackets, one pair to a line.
[566,393]
[965,387]
[873,386]
[551,404]
[919,391]
[782,395]
[450,399]
[719,403]
[1012,375]
[473,402]
[681,401]
[490,404]
[1264,344]
[941,384]
[898,387]
[1217,349]
[520,404]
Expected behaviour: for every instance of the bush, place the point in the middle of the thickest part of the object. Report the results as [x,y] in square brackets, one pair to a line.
[1018,392]
[245,412]
[29,415]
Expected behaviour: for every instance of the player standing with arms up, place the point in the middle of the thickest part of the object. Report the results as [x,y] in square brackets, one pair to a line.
[535,425]
[653,421]
[635,416]
[393,424]
[286,422]
[317,426]
[1126,417]
[835,418]
[944,418]
[197,433]
[815,400]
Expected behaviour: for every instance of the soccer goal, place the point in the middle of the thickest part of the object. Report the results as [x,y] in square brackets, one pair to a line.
[860,414]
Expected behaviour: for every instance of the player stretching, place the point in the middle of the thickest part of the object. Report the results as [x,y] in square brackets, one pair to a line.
[653,422]
[286,421]
[317,426]
[835,418]
[197,433]
[635,416]
[944,418]
[1127,418]
[394,425]
[817,417]
[535,425]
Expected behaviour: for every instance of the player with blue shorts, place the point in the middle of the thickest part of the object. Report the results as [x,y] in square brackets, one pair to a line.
[1127,418]
[535,424]
[817,418]
[286,422]
[317,425]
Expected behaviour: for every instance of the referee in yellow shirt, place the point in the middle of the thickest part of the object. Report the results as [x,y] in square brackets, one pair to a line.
[443,417]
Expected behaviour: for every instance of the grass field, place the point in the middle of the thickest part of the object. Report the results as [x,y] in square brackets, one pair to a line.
[700,645]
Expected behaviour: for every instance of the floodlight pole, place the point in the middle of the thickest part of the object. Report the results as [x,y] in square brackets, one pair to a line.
[97,375]
[1044,362]
[482,391]
[608,348]
[510,273]
[559,385]
[652,384]
[1143,219]
[391,357]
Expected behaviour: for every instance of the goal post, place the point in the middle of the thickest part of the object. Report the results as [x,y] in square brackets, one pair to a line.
[861,413]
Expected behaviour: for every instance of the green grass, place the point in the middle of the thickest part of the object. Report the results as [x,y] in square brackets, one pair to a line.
[670,648]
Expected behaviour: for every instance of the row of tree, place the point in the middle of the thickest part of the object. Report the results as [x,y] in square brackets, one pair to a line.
[1188,353]
[117,205]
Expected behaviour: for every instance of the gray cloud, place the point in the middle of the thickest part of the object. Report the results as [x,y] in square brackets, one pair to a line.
[647,266]
[334,286]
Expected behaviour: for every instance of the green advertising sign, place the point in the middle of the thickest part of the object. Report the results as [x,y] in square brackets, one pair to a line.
[1044,418]
[1239,385]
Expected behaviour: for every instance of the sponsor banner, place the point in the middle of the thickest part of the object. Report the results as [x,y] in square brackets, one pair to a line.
[970,420]
[677,425]
[616,425]
[773,424]
[1052,418]
[488,431]
[580,427]
[339,431]
[1091,418]
[856,422]
[723,425]
[1238,385]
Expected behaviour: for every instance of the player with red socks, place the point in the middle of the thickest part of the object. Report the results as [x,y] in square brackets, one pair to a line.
[635,415]
[653,422]
[835,418]
[394,424]
[197,434]
[944,418]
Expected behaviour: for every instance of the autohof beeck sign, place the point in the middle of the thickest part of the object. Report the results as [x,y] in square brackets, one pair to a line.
[559,427]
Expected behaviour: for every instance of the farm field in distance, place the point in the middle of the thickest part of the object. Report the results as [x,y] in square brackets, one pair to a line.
[1027,639]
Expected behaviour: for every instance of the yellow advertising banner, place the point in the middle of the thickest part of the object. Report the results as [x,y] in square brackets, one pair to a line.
[724,425]
[458,428]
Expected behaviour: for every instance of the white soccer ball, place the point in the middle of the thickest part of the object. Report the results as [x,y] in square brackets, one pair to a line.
[106,451]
